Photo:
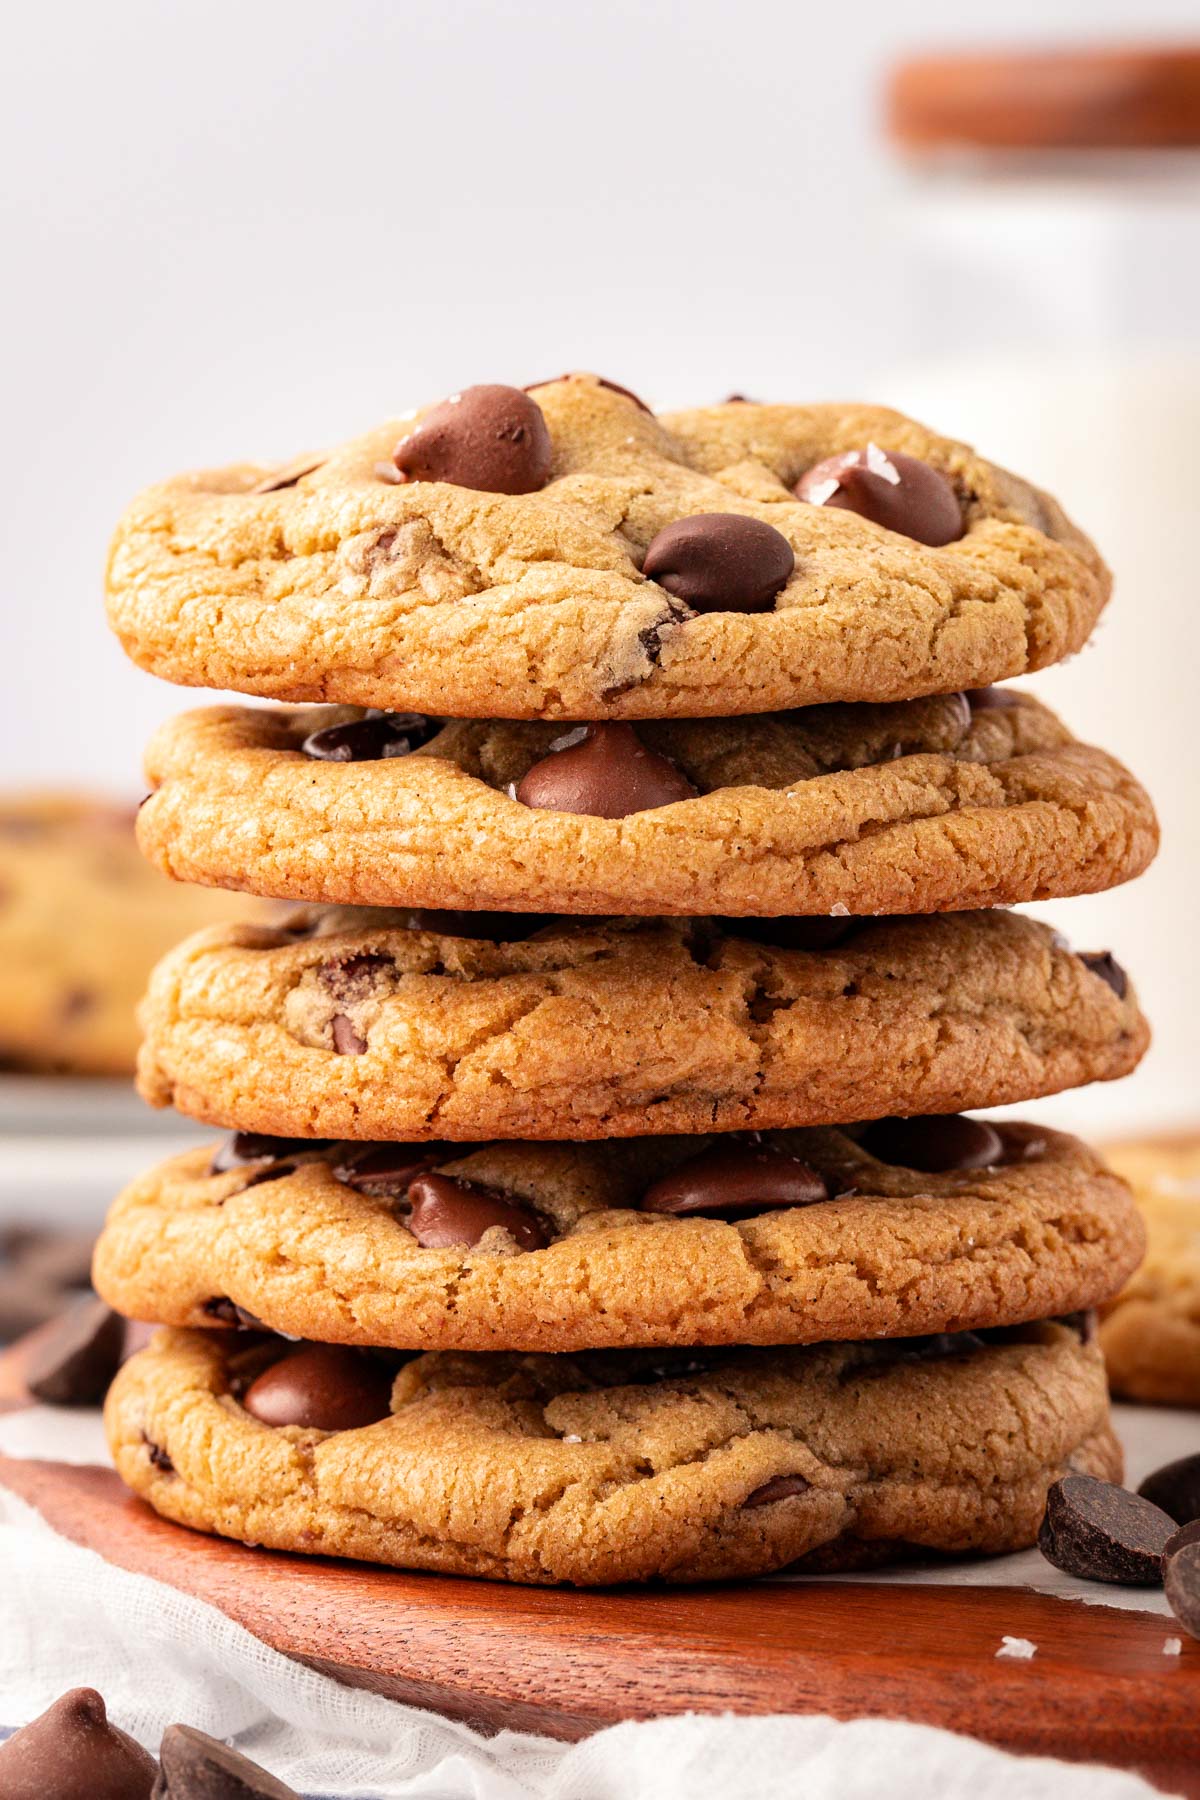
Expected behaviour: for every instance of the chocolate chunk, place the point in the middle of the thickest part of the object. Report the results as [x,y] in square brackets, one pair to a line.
[1187,1534]
[289,474]
[991,699]
[273,1172]
[934,1145]
[346,1040]
[1102,1532]
[198,1767]
[386,1170]
[490,438]
[353,978]
[607,774]
[780,1487]
[449,1214]
[225,1312]
[734,1181]
[1176,1488]
[1104,964]
[1020,1143]
[1181,1579]
[326,1387]
[75,1362]
[891,489]
[373,738]
[72,1752]
[816,933]
[721,562]
[253,1146]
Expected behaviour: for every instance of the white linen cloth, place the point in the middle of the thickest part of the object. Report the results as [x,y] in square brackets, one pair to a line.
[159,1657]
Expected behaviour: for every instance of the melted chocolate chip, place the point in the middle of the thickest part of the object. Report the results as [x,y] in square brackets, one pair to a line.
[346,1040]
[195,1766]
[252,1146]
[77,1359]
[780,1487]
[448,1214]
[490,438]
[489,927]
[289,474]
[1020,1143]
[158,1456]
[326,1387]
[386,1170]
[721,562]
[607,774]
[1102,1532]
[225,1312]
[373,738]
[353,978]
[816,933]
[1176,1488]
[934,1145]
[1104,964]
[891,489]
[991,699]
[735,1181]
[73,1752]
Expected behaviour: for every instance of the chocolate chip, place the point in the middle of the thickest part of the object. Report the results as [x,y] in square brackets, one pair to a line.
[274,1172]
[351,979]
[1085,1324]
[734,1181]
[607,774]
[323,1386]
[225,1312]
[253,1146]
[934,1145]
[991,699]
[289,474]
[386,1170]
[1181,1579]
[489,437]
[1104,964]
[817,933]
[1187,1534]
[198,1767]
[740,400]
[76,1361]
[1102,1532]
[896,491]
[73,1752]
[449,1214]
[1176,1488]
[780,1487]
[373,738]
[158,1456]
[1020,1143]
[721,562]
[346,1040]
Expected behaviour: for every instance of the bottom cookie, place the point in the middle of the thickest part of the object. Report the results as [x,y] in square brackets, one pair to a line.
[615,1466]
[1150,1333]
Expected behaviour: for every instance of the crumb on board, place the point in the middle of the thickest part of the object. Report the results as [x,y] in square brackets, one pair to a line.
[1172,1647]
[1020,1649]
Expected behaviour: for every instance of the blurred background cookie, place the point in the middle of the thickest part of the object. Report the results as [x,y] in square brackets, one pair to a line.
[1150,1333]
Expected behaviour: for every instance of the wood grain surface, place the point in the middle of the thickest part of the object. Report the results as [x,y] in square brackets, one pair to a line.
[1099,1689]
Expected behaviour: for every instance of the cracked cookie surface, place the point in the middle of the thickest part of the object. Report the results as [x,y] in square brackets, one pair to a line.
[325,581]
[287,1239]
[1150,1333]
[83,920]
[369,1028]
[922,807]
[605,1469]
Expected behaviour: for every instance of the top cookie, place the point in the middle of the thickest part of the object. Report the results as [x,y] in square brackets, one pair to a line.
[392,573]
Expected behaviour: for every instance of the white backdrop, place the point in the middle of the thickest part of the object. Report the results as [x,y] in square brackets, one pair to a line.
[250,227]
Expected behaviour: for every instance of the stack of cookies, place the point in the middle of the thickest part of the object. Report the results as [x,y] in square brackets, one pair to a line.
[600,1203]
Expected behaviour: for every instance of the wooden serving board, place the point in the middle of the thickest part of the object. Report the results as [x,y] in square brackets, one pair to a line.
[566,1664]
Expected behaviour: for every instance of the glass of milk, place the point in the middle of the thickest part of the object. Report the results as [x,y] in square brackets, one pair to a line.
[1048,230]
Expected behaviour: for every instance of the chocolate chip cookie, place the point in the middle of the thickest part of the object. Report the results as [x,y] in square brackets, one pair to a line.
[410,1025]
[949,803]
[1150,1333]
[83,920]
[616,1466]
[564,554]
[896,1227]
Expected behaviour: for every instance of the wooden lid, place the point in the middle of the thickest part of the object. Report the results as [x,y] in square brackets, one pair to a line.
[1098,99]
